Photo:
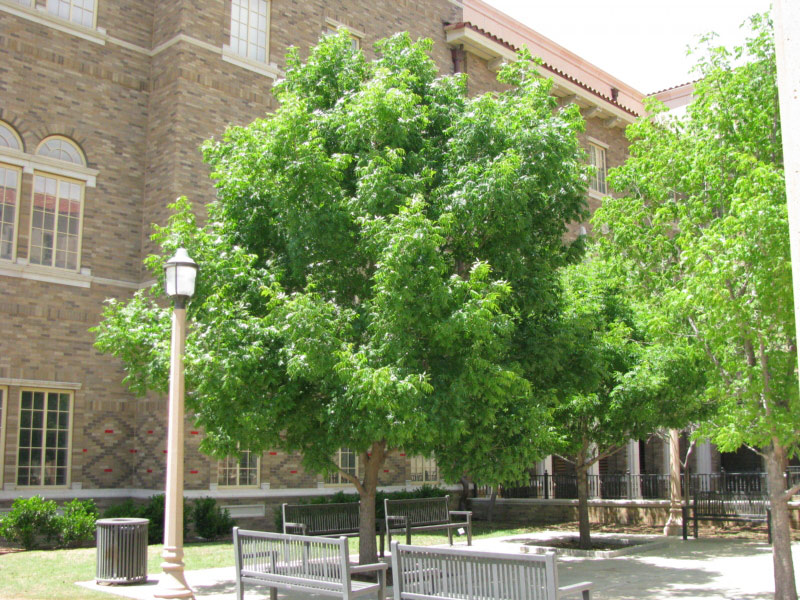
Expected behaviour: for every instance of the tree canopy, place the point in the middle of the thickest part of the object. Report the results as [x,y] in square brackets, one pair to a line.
[616,383]
[702,234]
[379,270]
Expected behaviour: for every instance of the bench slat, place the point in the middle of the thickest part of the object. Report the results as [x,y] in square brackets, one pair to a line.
[425,573]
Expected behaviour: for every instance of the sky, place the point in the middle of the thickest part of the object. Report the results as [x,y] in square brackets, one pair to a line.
[641,42]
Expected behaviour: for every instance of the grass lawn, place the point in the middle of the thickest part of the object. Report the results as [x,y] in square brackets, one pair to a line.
[51,574]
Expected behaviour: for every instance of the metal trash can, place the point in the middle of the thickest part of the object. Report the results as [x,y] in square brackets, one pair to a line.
[122,550]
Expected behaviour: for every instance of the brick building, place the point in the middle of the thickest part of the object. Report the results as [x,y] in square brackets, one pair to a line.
[103,106]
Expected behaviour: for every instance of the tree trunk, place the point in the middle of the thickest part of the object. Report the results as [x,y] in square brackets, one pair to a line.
[367,490]
[582,472]
[367,548]
[785,588]
[463,503]
[492,499]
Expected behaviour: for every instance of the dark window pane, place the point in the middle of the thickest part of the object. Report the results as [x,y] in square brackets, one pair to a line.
[38,400]
[27,400]
[36,438]
[63,403]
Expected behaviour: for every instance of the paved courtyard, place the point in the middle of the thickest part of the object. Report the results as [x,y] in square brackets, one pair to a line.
[729,569]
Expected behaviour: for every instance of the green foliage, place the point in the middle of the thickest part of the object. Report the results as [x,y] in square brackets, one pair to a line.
[34,522]
[616,383]
[702,237]
[379,268]
[153,510]
[424,491]
[210,521]
[127,508]
[77,525]
[31,522]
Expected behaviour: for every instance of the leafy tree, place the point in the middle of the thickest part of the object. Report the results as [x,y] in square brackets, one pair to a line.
[614,385]
[703,234]
[378,271]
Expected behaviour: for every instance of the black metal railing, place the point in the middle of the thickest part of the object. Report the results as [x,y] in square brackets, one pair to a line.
[617,486]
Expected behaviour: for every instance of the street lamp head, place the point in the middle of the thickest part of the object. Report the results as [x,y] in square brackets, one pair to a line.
[180,272]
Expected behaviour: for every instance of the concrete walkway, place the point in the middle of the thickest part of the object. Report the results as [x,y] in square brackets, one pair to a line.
[729,569]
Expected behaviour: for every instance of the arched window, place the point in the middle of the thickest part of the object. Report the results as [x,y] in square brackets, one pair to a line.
[61,149]
[9,193]
[57,210]
[9,137]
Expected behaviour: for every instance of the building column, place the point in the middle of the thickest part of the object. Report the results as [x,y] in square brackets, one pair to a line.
[634,470]
[594,476]
[704,465]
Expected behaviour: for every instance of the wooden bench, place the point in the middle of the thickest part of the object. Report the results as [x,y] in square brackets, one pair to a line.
[426,573]
[728,506]
[334,519]
[301,563]
[425,514]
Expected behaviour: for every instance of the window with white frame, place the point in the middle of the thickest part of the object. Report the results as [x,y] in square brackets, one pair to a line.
[250,29]
[81,12]
[57,210]
[3,411]
[424,470]
[10,177]
[44,438]
[331,29]
[239,471]
[597,158]
[9,209]
[347,460]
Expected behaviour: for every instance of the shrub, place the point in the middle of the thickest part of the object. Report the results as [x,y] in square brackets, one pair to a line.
[78,524]
[153,510]
[128,508]
[30,522]
[210,521]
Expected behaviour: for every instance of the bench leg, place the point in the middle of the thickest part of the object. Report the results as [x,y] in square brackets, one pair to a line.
[469,534]
[587,594]
[239,589]
[382,585]
[408,535]
[449,536]
[684,522]
[273,593]
[382,544]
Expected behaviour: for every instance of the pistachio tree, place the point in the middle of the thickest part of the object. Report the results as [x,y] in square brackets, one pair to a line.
[377,270]
[702,233]
[615,384]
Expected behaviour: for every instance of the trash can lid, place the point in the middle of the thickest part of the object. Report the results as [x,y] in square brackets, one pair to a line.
[123,521]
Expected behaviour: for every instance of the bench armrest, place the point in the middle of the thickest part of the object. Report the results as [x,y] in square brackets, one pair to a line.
[462,513]
[299,526]
[369,567]
[585,588]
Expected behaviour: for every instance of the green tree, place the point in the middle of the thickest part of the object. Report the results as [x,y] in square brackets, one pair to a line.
[376,268]
[615,384]
[702,232]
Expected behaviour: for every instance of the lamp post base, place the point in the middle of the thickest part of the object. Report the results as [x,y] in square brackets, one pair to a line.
[173,582]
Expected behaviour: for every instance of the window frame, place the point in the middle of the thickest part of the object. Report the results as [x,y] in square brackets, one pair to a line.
[233,50]
[15,224]
[335,478]
[332,27]
[4,403]
[59,179]
[70,425]
[595,145]
[424,462]
[221,464]
[71,8]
